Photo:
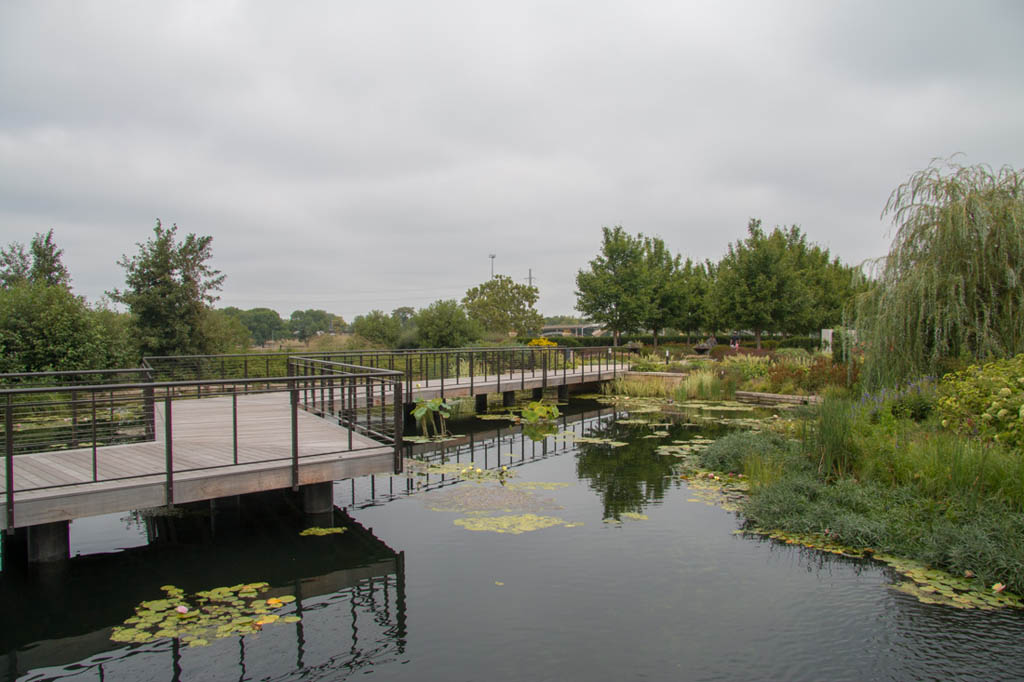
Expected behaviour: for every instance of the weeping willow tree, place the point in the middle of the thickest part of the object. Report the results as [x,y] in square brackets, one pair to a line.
[952,286]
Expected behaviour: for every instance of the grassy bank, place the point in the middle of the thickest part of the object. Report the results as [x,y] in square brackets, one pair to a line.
[867,474]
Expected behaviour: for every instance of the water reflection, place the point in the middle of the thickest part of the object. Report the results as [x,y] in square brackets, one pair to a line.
[349,589]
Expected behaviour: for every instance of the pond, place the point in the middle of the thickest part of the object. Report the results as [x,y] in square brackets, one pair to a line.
[616,569]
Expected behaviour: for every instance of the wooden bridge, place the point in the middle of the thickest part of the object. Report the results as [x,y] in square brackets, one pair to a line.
[207,427]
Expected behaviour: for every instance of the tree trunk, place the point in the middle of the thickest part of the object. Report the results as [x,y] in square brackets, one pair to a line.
[615,338]
[655,333]
[757,337]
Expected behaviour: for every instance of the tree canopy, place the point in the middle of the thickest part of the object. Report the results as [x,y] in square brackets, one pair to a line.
[377,326]
[950,288]
[613,289]
[444,324]
[42,263]
[168,289]
[501,305]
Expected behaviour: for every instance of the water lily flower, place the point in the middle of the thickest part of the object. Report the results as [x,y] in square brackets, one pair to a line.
[182,609]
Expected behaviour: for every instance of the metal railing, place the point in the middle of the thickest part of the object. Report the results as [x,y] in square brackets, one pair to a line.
[508,368]
[81,420]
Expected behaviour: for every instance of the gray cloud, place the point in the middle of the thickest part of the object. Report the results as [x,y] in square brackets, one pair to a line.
[356,156]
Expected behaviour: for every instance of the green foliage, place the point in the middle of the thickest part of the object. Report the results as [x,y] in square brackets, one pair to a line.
[831,442]
[223,333]
[47,328]
[951,284]
[425,413]
[613,290]
[41,264]
[729,452]
[779,282]
[378,327]
[538,411]
[444,324]
[501,306]
[305,324]
[986,400]
[169,288]
[263,324]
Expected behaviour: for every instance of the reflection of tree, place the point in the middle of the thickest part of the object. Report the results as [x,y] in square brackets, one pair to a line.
[627,478]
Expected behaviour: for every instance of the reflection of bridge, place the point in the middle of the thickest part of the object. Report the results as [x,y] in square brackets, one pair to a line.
[185,429]
[65,618]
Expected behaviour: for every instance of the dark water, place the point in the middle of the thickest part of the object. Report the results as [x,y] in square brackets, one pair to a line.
[677,596]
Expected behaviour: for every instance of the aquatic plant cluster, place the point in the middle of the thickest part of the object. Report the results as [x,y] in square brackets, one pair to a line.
[879,479]
[209,615]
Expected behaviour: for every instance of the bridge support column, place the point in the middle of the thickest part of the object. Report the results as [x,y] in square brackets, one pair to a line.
[15,551]
[49,542]
[318,498]
[538,394]
[563,392]
[225,515]
[508,398]
[481,403]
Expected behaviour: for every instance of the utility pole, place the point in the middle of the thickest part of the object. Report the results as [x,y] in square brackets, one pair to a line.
[530,278]
[491,256]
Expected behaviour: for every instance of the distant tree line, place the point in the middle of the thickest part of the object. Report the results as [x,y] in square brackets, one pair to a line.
[768,282]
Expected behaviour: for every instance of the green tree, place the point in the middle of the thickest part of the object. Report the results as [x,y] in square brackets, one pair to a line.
[501,306]
[951,287]
[613,290]
[47,328]
[305,324]
[15,264]
[444,324]
[403,315]
[758,285]
[41,263]
[263,324]
[695,283]
[377,326]
[168,289]
[47,262]
[223,332]
[665,287]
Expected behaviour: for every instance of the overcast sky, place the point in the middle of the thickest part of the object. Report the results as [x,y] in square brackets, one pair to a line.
[361,155]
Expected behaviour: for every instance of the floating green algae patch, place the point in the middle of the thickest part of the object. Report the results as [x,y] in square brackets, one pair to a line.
[209,615]
[597,441]
[716,490]
[480,499]
[516,524]
[316,530]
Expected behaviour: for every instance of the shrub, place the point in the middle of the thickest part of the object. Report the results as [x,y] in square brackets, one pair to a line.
[986,400]
[748,365]
[729,452]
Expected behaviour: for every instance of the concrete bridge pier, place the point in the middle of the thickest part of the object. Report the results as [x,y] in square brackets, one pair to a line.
[538,394]
[15,550]
[318,504]
[48,542]
[563,392]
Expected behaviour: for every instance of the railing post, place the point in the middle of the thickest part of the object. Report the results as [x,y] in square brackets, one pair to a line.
[399,418]
[149,407]
[234,423]
[544,370]
[9,459]
[168,451]
[295,433]
[472,371]
[565,361]
[94,466]
[74,419]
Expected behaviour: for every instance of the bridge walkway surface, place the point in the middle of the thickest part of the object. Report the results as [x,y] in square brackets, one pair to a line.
[240,443]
